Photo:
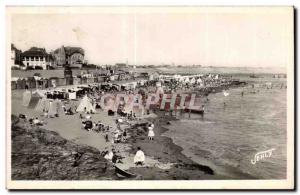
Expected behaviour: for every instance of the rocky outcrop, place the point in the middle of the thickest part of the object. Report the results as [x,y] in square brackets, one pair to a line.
[39,154]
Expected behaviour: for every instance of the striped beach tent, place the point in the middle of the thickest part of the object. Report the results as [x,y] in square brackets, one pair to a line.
[55,108]
[43,105]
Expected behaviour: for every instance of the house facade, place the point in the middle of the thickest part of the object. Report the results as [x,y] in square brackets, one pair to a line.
[15,58]
[68,56]
[36,58]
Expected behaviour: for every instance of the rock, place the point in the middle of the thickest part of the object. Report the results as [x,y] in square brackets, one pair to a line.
[39,154]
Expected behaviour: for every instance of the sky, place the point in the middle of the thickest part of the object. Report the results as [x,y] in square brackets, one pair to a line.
[239,39]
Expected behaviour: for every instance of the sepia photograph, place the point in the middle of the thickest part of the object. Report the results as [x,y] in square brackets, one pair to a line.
[149,97]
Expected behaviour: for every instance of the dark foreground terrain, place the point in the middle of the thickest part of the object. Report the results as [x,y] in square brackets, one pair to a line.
[39,154]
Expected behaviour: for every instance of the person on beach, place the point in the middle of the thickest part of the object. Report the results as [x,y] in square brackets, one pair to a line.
[80,116]
[139,157]
[22,116]
[109,155]
[124,136]
[36,121]
[106,138]
[151,132]
[117,136]
[202,111]
[45,113]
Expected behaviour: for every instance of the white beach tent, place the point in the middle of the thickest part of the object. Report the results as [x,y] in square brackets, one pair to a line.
[193,81]
[26,98]
[199,80]
[181,79]
[186,80]
[55,107]
[85,103]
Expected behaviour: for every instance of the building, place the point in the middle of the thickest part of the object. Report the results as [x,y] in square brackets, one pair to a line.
[16,58]
[37,58]
[68,56]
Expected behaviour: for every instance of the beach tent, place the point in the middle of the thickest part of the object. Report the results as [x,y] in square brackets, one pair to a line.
[55,107]
[34,99]
[43,105]
[193,81]
[85,103]
[199,80]
[187,80]
[40,93]
[26,98]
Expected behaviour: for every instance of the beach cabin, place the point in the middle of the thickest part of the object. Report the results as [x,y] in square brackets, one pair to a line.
[13,85]
[83,80]
[61,81]
[21,83]
[101,79]
[69,81]
[90,80]
[76,81]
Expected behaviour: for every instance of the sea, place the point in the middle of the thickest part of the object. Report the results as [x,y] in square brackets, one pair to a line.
[236,127]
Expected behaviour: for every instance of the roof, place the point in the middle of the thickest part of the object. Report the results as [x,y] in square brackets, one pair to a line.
[13,47]
[71,50]
[35,51]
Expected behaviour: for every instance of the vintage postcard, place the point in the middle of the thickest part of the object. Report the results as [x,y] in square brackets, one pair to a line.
[150,97]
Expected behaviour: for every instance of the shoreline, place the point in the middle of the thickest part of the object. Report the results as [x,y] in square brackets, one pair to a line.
[173,153]
[163,149]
